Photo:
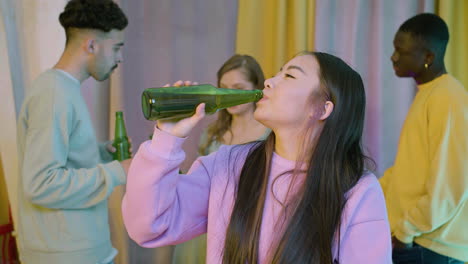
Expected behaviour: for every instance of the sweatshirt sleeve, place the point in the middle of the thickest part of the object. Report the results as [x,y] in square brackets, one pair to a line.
[46,180]
[446,188]
[161,206]
[366,238]
[105,155]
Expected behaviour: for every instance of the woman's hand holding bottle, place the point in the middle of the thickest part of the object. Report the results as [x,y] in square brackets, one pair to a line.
[182,127]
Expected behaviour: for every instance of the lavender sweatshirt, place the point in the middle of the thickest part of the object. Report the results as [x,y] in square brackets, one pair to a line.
[162,207]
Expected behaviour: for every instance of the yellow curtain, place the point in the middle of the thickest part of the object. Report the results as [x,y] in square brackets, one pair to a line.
[273,31]
[455,12]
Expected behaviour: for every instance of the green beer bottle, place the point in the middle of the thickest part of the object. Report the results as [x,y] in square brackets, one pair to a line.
[181,102]
[121,144]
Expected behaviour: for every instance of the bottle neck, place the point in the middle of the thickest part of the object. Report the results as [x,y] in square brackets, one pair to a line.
[232,97]
[120,130]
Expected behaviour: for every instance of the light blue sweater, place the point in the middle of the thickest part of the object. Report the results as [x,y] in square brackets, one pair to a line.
[64,183]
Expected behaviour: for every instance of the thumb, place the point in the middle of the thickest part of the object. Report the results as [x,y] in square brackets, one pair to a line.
[111,148]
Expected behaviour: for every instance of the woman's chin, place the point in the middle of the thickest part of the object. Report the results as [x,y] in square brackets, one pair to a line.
[259,116]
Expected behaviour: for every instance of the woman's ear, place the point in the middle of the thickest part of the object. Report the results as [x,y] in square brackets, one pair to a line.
[327,110]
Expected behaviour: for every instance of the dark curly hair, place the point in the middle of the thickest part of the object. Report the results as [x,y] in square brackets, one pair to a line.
[104,15]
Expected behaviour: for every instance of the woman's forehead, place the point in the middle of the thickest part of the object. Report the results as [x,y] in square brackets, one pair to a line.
[308,63]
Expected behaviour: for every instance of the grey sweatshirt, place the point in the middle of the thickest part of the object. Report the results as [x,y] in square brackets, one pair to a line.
[64,181]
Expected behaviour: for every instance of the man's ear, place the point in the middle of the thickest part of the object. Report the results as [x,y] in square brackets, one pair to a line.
[430,57]
[90,45]
[327,110]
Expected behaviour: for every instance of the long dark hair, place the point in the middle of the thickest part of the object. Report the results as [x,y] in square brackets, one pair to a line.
[254,74]
[334,165]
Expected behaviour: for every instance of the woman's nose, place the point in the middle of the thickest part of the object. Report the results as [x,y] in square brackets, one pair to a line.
[268,83]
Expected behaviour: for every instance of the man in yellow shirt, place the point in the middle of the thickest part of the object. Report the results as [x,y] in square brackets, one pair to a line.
[426,190]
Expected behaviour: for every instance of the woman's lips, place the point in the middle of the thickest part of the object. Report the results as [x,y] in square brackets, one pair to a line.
[264,98]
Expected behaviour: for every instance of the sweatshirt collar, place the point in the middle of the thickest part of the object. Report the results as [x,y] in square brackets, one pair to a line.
[433,82]
[69,76]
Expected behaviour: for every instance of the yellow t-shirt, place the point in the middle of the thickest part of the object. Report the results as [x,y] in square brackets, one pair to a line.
[426,190]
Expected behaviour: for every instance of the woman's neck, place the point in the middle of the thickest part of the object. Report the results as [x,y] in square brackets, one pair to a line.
[291,143]
[287,144]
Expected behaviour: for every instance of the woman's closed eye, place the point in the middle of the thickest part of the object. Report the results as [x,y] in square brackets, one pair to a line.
[287,75]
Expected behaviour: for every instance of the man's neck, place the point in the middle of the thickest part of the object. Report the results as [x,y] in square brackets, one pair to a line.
[430,74]
[73,63]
